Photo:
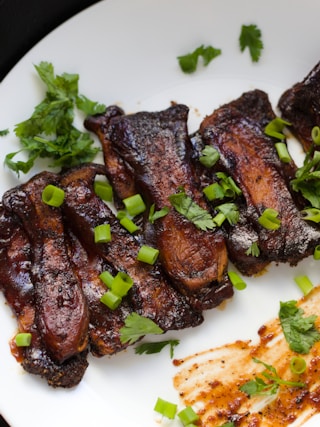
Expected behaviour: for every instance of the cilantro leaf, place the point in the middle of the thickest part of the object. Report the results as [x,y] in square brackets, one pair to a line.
[229,211]
[189,62]
[300,332]
[250,37]
[200,217]
[209,156]
[156,347]
[136,327]
[154,215]
[49,132]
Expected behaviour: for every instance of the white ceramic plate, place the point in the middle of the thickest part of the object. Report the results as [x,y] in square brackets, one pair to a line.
[125,52]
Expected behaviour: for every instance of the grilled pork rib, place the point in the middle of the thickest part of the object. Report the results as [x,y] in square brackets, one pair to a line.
[61,308]
[249,156]
[151,295]
[300,105]
[156,147]
[16,284]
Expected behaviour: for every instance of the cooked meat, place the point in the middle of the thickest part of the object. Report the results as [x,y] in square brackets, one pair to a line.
[151,295]
[157,147]
[16,284]
[300,105]
[105,324]
[249,156]
[61,308]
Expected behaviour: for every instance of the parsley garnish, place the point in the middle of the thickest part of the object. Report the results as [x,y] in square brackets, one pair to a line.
[49,132]
[300,332]
[136,326]
[189,62]
[156,347]
[259,386]
[250,37]
[200,217]
[154,215]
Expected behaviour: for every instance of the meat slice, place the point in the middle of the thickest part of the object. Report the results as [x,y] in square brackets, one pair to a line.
[300,105]
[151,295]
[157,148]
[17,287]
[61,308]
[249,156]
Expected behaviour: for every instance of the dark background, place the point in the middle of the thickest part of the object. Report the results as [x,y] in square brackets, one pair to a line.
[22,24]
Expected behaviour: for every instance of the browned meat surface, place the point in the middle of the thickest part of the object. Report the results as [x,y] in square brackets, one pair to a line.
[157,147]
[151,295]
[16,284]
[249,156]
[300,105]
[61,308]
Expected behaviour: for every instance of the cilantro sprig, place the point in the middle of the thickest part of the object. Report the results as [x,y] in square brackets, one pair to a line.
[189,62]
[251,38]
[156,347]
[136,327]
[49,132]
[300,332]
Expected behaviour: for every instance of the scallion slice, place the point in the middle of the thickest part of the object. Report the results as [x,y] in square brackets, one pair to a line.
[148,254]
[298,365]
[237,281]
[111,300]
[102,233]
[209,157]
[165,408]
[214,191]
[129,225]
[283,152]
[269,219]
[304,284]
[121,284]
[107,278]
[188,416]
[315,135]
[103,190]
[52,196]
[23,339]
[134,204]
[316,252]
[275,128]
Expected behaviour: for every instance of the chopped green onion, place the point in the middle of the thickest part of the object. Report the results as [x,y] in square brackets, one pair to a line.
[165,408]
[103,190]
[214,191]
[52,196]
[236,280]
[315,135]
[102,233]
[121,284]
[283,152]
[134,204]
[228,184]
[111,300]
[298,365]
[129,225]
[316,253]
[107,278]
[269,219]
[253,250]
[23,339]
[188,416]
[228,211]
[219,219]
[304,284]
[209,157]
[148,254]
[311,214]
[275,128]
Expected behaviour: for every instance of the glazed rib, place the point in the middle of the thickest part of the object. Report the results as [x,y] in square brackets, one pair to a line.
[156,147]
[16,284]
[151,295]
[61,309]
[249,156]
[300,105]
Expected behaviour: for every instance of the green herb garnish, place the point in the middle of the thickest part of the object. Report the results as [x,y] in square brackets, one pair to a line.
[200,217]
[136,327]
[300,332]
[250,37]
[189,62]
[49,132]
[226,211]
[154,215]
[209,156]
[268,383]
[253,250]
[4,132]
[156,347]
